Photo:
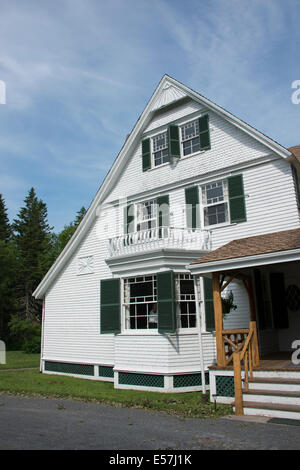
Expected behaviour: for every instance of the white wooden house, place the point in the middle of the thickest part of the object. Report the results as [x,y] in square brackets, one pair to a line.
[127,302]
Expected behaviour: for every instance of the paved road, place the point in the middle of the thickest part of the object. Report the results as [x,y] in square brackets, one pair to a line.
[37,423]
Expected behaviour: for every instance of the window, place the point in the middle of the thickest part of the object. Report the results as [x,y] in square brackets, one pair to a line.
[190,138]
[215,203]
[186,301]
[160,149]
[146,215]
[140,299]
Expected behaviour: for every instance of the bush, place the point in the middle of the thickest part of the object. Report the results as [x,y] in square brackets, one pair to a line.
[26,333]
[33,346]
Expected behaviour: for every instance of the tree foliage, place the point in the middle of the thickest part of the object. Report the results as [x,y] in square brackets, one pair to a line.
[28,247]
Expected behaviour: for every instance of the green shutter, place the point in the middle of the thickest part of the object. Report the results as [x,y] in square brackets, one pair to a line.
[204,132]
[163,213]
[296,183]
[129,218]
[278,298]
[166,302]
[146,154]
[192,207]
[173,141]
[110,306]
[237,199]
[209,304]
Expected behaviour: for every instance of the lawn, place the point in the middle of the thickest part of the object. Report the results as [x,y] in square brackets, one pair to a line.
[33,383]
[19,359]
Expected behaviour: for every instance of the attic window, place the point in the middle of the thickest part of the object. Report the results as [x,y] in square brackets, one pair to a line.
[190,138]
[160,149]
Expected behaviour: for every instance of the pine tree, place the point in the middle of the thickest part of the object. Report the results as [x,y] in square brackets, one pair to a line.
[7,271]
[32,235]
[5,229]
[80,214]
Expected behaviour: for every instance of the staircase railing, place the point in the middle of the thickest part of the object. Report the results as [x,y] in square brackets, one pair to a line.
[249,356]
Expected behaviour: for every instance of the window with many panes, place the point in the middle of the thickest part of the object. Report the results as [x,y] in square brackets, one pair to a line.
[140,302]
[146,215]
[215,202]
[185,297]
[160,149]
[190,138]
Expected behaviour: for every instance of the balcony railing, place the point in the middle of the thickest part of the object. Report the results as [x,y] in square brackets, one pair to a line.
[160,238]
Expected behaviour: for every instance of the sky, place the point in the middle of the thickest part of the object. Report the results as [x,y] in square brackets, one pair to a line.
[78,74]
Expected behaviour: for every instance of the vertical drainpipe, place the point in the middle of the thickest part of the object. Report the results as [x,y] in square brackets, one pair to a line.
[198,313]
[42,335]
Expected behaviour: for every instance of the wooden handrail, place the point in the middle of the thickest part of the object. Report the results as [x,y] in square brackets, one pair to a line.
[248,354]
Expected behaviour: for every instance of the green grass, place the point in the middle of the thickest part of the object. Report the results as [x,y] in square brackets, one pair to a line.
[33,383]
[19,359]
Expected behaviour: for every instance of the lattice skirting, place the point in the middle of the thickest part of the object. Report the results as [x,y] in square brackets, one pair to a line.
[142,380]
[106,371]
[189,380]
[224,386]
[66,368]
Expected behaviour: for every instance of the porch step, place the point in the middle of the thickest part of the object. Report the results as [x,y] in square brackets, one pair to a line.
[272,410]
[275,383]
[278,397]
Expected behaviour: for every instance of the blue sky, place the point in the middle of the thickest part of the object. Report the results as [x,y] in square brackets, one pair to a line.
[78,74]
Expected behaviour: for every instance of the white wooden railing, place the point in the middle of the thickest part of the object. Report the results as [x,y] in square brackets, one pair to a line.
[160,237]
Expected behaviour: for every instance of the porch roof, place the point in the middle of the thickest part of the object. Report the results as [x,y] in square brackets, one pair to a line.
[296,151]
[268,248]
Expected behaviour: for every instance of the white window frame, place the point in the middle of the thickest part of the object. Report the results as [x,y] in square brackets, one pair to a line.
[225,201]
[138,211]
[126,304]
[186,139]
[159,149]
[179,299]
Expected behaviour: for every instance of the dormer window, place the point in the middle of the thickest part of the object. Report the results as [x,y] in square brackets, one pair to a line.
[160,149]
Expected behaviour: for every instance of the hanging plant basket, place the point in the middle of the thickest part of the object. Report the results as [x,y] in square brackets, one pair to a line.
[227,303]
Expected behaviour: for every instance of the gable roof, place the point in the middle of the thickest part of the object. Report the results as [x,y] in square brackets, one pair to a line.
[168,91]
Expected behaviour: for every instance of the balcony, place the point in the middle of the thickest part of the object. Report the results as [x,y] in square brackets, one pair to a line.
[162,238]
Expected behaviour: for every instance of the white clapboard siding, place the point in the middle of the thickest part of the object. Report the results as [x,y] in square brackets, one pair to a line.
[240,317]
[72,309]
[229,146]
[185,355]
[72,304]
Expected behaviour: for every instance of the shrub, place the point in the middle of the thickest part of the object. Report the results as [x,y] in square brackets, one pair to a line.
[33,346]
[26,333]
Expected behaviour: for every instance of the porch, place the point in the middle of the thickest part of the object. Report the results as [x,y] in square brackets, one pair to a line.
[256,368]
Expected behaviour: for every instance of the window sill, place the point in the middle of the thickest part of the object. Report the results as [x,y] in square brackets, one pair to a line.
[181,331]
[216,226]
[182,157]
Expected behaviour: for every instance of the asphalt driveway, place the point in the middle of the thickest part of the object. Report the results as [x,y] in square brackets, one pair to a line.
[37,423]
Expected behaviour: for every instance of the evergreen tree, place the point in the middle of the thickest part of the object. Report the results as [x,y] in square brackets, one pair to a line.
[5,229]
[32,235]
[7,272]
[80,215]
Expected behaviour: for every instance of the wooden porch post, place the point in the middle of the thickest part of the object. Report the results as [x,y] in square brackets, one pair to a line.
[255,350]
[218,320]
[251,300]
